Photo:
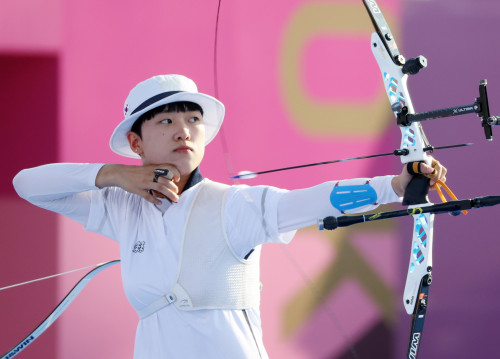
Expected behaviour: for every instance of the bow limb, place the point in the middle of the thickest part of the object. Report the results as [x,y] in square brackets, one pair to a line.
[58,310]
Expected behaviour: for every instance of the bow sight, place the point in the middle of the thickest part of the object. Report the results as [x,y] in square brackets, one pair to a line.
[480,107]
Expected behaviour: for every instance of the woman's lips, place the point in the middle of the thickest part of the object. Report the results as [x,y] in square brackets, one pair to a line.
[183,149]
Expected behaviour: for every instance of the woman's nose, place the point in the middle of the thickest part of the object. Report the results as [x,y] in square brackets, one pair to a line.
[182,133]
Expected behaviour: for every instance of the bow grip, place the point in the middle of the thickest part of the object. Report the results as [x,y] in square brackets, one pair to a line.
[417,190]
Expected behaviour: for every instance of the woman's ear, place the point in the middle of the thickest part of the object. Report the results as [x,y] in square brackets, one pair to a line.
[135,142]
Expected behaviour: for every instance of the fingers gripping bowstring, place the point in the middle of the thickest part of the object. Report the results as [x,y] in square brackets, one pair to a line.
[230,170]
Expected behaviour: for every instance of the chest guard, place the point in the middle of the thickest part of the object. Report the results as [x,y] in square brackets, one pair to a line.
[210,274]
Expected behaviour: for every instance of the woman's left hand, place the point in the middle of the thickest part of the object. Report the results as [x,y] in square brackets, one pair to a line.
[435,172]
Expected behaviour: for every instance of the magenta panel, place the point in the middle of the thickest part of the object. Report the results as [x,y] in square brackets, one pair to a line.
[29,112]
[28,88]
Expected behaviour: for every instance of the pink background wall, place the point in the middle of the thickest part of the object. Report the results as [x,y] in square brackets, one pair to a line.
[299,84]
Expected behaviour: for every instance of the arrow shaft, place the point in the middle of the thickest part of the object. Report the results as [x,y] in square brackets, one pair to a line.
[321,163]
[247,174]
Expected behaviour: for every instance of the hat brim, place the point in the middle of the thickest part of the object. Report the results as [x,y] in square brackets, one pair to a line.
[213,115]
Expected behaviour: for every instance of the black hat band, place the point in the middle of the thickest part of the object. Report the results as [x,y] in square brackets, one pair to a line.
[154,99]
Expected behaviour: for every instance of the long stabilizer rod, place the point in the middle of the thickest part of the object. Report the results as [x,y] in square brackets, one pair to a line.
[331,222]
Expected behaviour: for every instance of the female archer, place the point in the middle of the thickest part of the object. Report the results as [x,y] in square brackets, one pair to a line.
[189,247]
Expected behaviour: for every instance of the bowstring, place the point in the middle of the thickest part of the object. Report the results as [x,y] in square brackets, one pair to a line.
[50,276]
[225,148]
[230,171]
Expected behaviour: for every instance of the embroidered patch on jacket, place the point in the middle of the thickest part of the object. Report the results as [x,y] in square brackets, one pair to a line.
[139,247]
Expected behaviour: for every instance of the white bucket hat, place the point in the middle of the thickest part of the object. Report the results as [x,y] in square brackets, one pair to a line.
[161,90]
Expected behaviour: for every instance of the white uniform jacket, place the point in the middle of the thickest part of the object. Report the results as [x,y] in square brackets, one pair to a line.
[150,239]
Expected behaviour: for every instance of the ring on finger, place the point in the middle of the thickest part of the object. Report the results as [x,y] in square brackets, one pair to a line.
[159,172]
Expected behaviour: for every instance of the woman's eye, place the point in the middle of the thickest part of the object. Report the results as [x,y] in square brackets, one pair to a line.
[166,121]
[194,119]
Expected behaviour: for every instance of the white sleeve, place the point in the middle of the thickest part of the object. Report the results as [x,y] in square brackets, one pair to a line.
[265,214]
[65,188]
[302,208]
[251,217]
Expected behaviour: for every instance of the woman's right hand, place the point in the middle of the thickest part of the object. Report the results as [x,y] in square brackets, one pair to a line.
[140,180]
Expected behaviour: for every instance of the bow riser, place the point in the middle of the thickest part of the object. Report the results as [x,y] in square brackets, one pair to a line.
[413,139]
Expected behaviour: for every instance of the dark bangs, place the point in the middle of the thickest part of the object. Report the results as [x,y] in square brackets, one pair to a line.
[183,106]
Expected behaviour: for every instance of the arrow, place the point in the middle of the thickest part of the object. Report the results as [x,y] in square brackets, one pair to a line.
[400,152]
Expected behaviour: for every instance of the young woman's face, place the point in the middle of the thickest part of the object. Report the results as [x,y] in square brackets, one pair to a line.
[176,138]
